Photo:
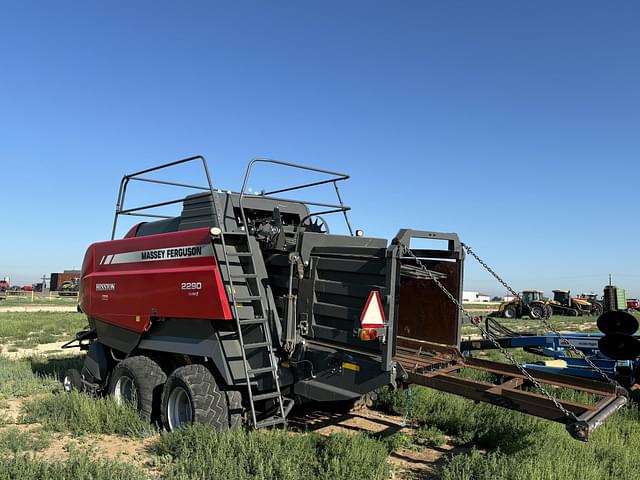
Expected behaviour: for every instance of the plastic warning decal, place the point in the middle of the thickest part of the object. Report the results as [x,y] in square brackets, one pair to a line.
[373,314]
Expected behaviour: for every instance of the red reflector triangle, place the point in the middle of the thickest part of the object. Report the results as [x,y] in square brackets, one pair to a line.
[373,314]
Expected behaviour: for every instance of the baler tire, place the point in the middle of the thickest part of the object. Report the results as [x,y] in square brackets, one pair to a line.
[208,402]
[148,379]
[72,381]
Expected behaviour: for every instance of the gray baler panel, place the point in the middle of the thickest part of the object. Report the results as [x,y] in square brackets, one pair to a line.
[343,272]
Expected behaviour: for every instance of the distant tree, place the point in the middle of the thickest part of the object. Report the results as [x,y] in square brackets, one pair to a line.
[496,299]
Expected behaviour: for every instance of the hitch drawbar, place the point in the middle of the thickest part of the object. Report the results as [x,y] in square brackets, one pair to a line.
[589,421]
[440,369]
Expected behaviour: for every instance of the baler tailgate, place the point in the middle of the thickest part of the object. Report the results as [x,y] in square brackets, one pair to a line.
[513,390]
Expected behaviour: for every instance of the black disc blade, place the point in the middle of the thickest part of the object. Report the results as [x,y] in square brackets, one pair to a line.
[617,322]
[619,346]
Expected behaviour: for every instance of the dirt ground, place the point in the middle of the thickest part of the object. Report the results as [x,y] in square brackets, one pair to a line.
[414,463]
[109,447]
[41,349]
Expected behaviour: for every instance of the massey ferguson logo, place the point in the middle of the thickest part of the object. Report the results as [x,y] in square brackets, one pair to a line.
[195,251]
[159,254]
[105,287]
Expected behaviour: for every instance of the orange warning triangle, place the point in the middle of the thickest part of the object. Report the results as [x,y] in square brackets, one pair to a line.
[373,314]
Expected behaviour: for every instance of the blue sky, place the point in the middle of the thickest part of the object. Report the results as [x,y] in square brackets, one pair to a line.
[515,124]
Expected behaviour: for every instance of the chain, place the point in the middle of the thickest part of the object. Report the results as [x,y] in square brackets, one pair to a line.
[545,322]
[491,337]
[408,415]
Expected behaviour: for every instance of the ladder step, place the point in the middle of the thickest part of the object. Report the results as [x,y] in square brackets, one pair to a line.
[257,345]
[266,396]
[259,371]
[247,314]
[245,275]
[252,321]
[277,420]
[239,254]
[249,298]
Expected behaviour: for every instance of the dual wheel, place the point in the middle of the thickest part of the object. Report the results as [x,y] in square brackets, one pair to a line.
[190,394]
[537,311]
[540,311]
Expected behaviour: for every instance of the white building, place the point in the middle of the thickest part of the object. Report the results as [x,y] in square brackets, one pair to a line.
[475,297]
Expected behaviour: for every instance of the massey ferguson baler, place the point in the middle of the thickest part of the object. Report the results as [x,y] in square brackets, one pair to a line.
[244,305]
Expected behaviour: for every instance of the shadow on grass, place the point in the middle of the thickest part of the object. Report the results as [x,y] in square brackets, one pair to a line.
[314,416]
[55,366]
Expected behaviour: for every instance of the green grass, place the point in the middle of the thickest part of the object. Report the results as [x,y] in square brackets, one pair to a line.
[561,323]
[14,440]
[33,328]
[79,413]
[584,324]
[199,453]
[430,437]
[24,301]
[18,379]
[33,376]
[504,444]
[79,466]
[520,447]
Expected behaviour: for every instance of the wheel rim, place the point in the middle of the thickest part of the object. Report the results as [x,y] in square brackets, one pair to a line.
[125,391]
[67,384]
[179,409]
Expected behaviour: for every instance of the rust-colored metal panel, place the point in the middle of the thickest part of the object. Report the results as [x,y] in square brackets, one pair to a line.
[57,279]
[425,312]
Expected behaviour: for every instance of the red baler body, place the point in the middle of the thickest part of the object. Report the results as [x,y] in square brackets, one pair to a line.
[129,282]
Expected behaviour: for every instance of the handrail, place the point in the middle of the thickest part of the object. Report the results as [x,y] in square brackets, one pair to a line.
[337,177]
[120,210]
[137,176]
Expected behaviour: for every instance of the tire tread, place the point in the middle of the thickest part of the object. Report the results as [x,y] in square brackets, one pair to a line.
[209,402]
[148,377]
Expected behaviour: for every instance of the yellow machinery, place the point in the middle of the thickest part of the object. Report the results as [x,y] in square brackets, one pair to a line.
[563,304]
[530,304]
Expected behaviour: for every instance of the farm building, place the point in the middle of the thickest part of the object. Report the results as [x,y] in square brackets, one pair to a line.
[474,297]
[57,279]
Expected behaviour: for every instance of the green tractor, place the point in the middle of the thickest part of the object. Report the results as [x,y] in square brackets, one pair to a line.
[531,304]
[69,288]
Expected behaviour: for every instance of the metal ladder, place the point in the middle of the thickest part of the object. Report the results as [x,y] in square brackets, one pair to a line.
[256,315]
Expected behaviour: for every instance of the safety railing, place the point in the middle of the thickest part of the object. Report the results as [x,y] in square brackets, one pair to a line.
[334,178]
[137,176]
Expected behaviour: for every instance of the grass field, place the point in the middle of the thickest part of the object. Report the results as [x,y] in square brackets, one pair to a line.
[46,434]
[23,301]
[27,330]
[560,323]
